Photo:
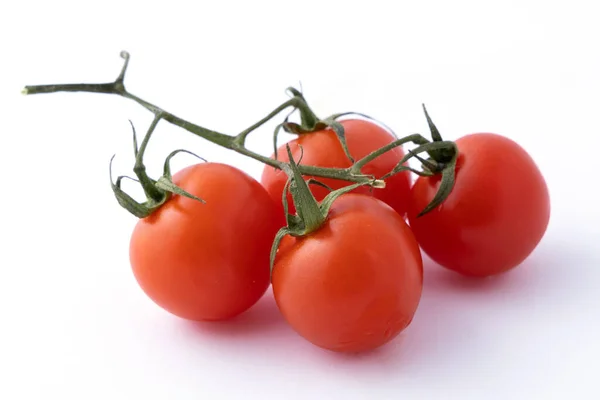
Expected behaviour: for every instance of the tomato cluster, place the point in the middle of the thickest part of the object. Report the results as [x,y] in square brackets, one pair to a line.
[354,283]
[342,251]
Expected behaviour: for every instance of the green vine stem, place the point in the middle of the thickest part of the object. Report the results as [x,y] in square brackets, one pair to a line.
[156,193]
[139,168]
[232,142]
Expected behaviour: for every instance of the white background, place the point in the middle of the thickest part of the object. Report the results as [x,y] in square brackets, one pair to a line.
[74,324]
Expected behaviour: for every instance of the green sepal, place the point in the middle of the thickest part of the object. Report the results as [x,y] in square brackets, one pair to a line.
[277,130]
[292,221]
[428,165]
[313,181]
[440,155]
[309,123]
[167,166]
[275,137]
[276,242]
[307,206]
[307,116]
[435,133]
[428,147]
[344,114]
[295,224]
[289,218]
[401,168]
[140,210]
[297,129]
[446,186]
[327,202]
[165,182]
[167,185]
[135,142]
[339,130]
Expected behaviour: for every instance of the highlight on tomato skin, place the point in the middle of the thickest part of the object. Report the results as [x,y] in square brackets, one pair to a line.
[355,283]
[495,216]
[323,149]
[207,261]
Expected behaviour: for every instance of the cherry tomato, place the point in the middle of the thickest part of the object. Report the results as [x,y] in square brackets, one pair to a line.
[355,283]
[207,261]
[323,149]
[496,214]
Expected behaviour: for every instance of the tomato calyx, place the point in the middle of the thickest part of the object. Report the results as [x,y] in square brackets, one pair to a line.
[157,191]
[309,122]
[440,158]
[442,161]
[311,214]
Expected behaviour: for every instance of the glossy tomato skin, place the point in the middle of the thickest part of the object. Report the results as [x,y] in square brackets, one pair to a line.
[323,149]
[207,261]
[496,214]
[355,283]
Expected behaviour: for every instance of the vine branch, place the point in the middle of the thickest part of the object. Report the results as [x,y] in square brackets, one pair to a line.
[235,143]
[442,152]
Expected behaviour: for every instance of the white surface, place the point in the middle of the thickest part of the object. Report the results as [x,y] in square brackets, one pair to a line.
[76,326]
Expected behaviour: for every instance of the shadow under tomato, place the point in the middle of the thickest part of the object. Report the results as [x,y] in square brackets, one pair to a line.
[261,318]
[550,268]
[448,331]
[450,321]
[440,278]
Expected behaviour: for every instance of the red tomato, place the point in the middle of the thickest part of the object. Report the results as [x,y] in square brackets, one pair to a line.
[207,261]
[356,282]
[323,149]
[495,215]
